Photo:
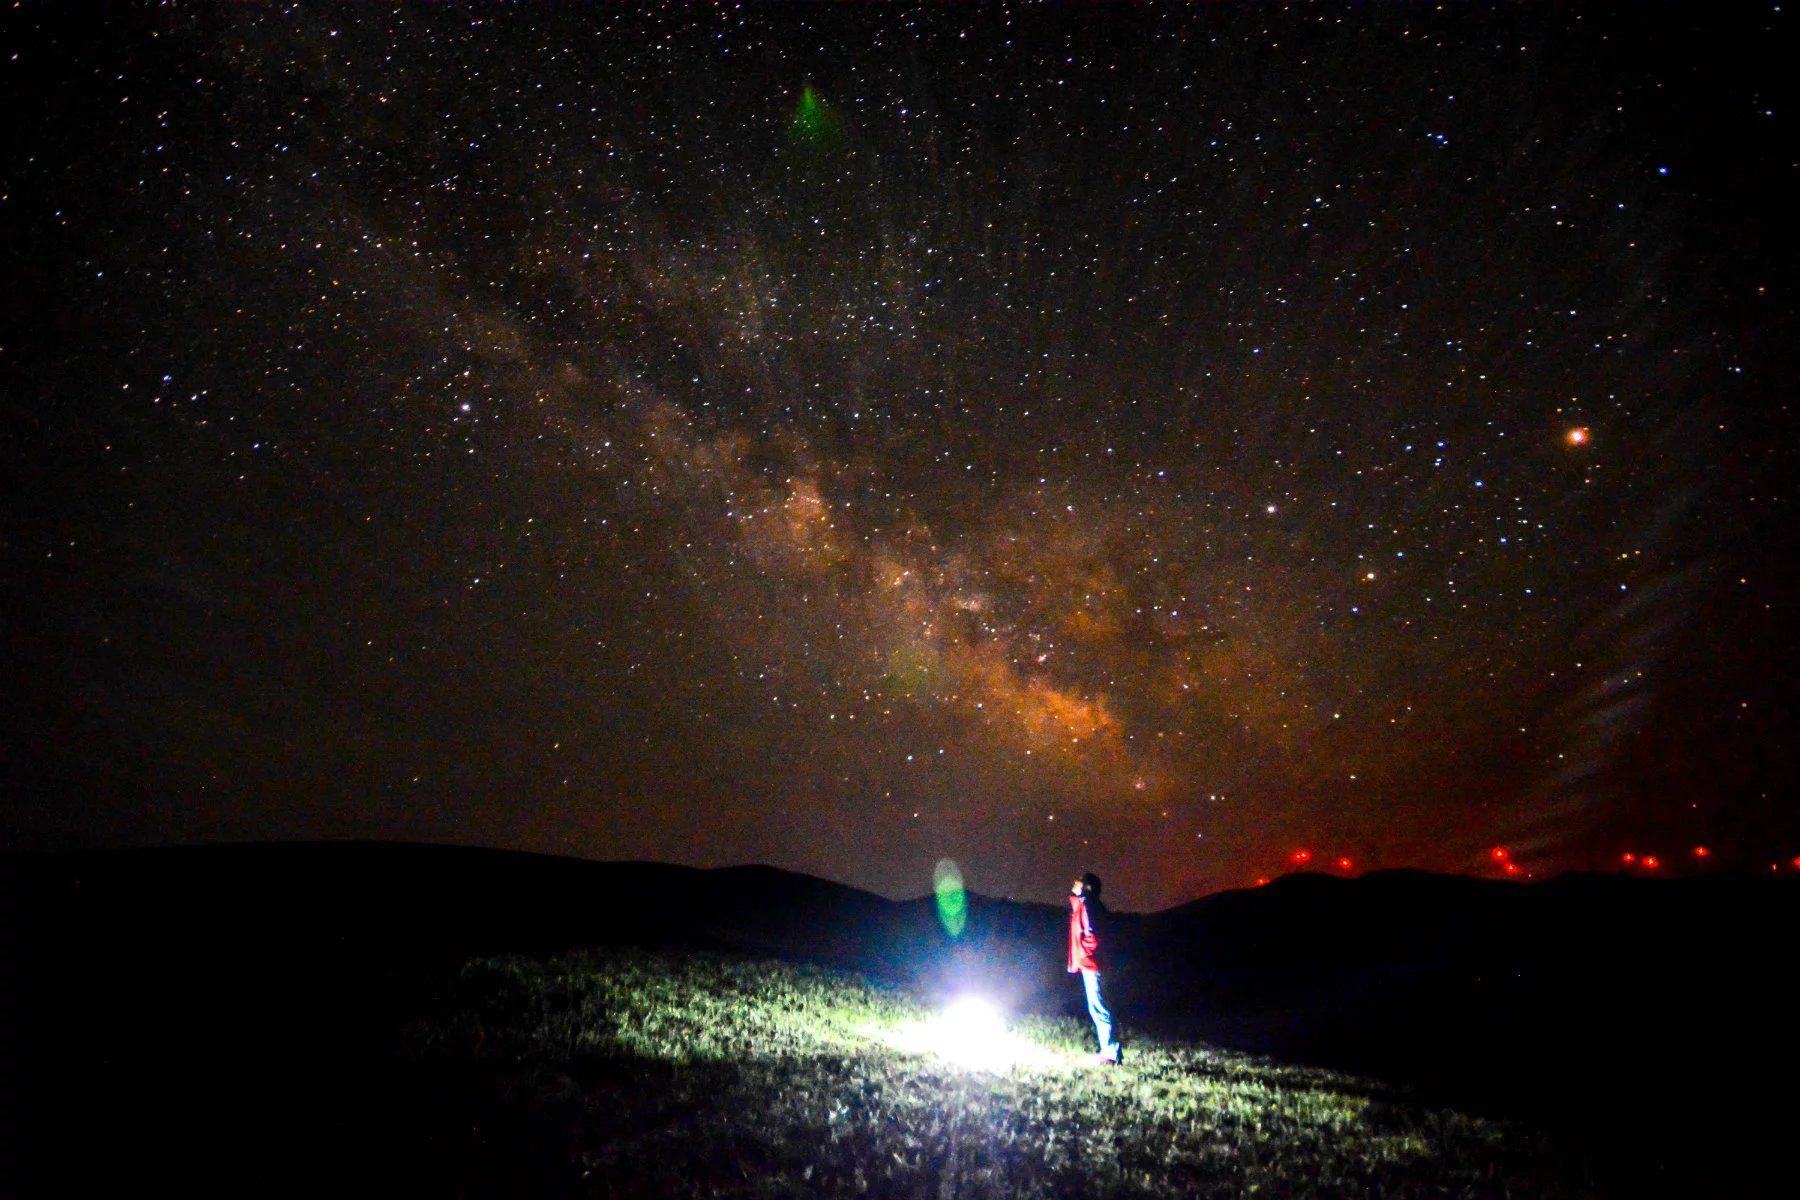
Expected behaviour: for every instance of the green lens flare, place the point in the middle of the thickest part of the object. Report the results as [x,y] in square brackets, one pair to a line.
[813,121]
[952,901]
[911,668]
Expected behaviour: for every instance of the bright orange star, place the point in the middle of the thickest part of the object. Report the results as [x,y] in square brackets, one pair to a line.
[1577,436]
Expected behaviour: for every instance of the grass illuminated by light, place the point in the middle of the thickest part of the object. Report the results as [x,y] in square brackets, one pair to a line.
[667,1074]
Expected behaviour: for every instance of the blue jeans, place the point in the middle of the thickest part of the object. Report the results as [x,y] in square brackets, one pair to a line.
[1103,1022]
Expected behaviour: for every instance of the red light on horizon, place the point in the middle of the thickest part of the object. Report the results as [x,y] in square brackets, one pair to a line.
[1301,856]
[1797,862]
[1701,852]
[1511,868]
[1343,864]
[1651,862]
[1262,880]
[1628,859]
[1499,854]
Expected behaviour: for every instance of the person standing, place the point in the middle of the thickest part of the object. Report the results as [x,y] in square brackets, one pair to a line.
[1084,959]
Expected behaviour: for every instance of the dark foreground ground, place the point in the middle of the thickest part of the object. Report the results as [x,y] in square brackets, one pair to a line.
[262,1018]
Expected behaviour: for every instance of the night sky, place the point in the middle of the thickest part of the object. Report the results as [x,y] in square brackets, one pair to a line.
[1146,441]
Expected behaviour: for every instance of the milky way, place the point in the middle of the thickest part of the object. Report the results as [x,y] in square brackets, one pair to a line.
[1149,442]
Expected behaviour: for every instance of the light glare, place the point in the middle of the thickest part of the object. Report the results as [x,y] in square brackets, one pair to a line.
[972,1032]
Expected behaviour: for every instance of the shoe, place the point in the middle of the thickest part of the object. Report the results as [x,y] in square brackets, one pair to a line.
[1107,1060]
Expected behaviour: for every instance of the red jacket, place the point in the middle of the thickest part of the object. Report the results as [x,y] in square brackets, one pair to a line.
[1084,946]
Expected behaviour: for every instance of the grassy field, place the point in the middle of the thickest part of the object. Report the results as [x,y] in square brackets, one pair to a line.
[677,1074]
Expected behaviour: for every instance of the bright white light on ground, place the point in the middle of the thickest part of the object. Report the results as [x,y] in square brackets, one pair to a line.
[971,1032]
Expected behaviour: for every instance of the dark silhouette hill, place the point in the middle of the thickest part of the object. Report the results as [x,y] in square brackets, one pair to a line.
[1626,1008]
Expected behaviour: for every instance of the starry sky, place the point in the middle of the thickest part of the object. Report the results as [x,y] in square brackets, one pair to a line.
[1155,441]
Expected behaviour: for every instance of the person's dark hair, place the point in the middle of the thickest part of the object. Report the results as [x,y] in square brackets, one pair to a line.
[1090,885]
